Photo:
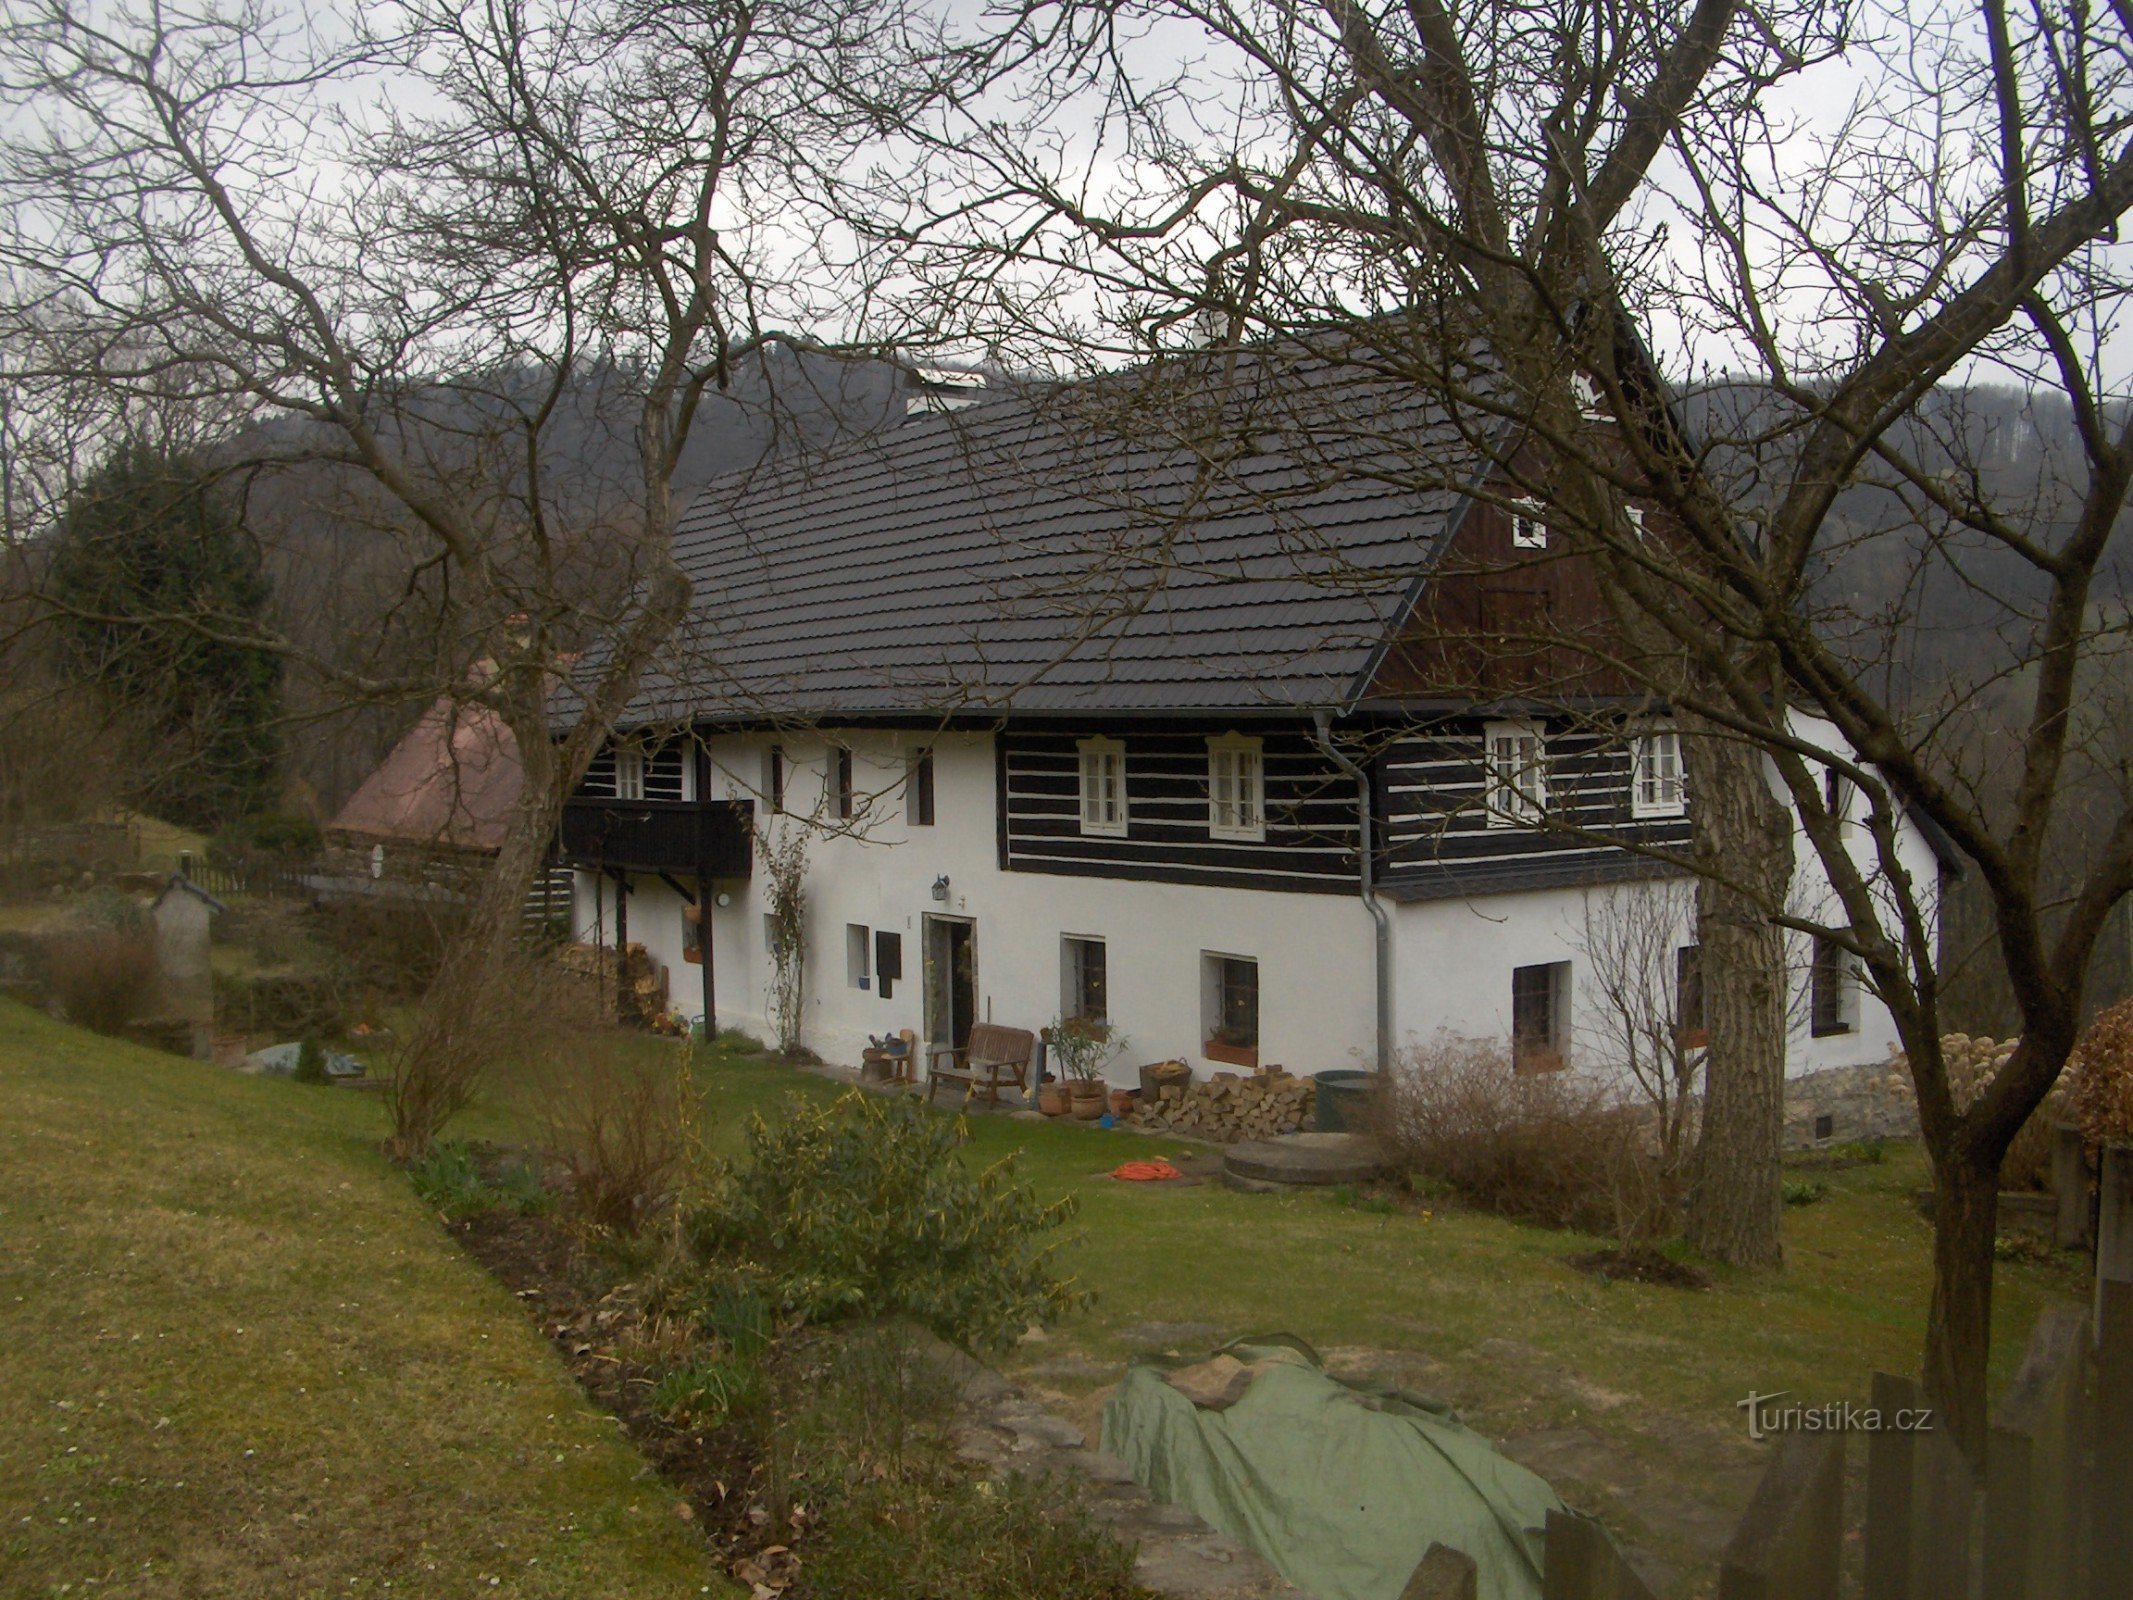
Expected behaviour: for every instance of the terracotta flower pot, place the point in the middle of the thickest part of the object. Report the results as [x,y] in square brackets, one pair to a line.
[1052,1100]
[1123,1101]
[1087,1100]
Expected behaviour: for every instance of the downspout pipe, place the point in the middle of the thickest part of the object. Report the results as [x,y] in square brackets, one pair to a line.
[1366,853]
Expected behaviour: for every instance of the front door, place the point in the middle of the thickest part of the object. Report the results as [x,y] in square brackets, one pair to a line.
[951,980]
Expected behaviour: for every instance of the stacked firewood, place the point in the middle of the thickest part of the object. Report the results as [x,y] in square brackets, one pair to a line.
[646,978]
[1230,1106]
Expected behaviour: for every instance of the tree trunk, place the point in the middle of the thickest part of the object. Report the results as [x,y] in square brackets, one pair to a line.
[1959,1323]
[1736,1194]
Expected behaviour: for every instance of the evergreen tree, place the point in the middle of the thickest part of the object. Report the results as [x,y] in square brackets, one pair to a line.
[155,585]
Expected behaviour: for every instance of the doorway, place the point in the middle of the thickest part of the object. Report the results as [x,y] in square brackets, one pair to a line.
[951,955]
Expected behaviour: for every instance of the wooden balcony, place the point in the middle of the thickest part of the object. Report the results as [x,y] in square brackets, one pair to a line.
[714,837]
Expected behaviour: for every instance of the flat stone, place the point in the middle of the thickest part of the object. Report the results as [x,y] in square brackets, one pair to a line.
[1306,1158]
[1169,1335]
[1053,1432]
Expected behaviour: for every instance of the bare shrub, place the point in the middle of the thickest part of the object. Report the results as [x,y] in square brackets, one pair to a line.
[1556,1148]
[101,975]
[620,1134]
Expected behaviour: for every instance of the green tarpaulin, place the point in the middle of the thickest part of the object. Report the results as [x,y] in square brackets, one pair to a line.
[1342,1488]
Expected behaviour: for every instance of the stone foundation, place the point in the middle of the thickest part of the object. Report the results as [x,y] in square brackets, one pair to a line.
[1845,1104]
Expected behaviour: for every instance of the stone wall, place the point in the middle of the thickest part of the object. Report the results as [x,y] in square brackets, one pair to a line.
[1877,1101]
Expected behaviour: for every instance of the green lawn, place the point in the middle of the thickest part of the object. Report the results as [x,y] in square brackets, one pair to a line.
[405,1424]
[1623,1394]
[242,1360]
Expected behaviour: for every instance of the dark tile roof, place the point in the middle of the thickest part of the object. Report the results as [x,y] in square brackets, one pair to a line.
[1127,546]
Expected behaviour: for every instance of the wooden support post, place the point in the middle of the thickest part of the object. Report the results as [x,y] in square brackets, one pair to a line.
[2111,1483]
[2030,1464]
[1946,1507]
[622,948]
[1891,1490]
[1790,1543]
[2070,1187]
[1582,1563]
[1444,1574]
[706,901]
[2114,1225]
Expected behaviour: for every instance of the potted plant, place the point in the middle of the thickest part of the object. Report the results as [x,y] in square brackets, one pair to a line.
[1081,1046]
[1052,1096]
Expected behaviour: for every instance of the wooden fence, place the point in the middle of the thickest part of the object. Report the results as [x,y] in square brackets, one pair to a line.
[2053,1519]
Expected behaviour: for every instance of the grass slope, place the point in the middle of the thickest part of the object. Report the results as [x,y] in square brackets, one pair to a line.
[240,1359]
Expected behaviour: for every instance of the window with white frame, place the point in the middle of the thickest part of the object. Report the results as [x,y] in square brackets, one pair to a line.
[1634,516]
[1084,991]
[1590,404]
[1103,787]
[918,789]
[1540,1017]
[1236,788]
[1529,529]
[1517,755]
[1656,788]
[1832,989]
[629,774]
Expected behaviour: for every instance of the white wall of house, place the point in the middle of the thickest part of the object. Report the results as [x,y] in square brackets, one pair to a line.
[1454,960]
[877,872]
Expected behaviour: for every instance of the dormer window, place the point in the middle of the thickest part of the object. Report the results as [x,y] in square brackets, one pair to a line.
[1529,531]
[629,774]
[1634,516]
[1656,785]
[1103,787]
[1236,788]
[1517,756]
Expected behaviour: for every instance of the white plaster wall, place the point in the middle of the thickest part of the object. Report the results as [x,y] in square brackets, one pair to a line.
[1453,959]
[1314,950]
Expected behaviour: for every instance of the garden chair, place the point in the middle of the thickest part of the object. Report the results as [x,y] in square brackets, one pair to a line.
[995,1056]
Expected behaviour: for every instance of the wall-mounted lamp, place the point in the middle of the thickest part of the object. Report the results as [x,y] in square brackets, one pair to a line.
[724,899]
[940,888]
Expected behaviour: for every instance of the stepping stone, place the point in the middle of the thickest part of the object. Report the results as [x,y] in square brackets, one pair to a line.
[1306,1159]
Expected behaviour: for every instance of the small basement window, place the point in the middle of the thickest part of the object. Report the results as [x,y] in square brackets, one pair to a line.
[1540,1017]
[1236,788]
[858,956]
[1833,990]
[774,779]
[1656,786]
[918,789]
[1083,991]
[1103,787]
[1229,1009]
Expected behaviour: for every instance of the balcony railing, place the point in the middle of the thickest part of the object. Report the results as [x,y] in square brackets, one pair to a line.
[715,837]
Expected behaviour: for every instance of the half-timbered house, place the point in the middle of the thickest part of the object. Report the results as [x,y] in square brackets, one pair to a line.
[1251,741]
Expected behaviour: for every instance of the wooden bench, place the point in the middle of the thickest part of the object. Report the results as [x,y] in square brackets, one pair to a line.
[994,1057]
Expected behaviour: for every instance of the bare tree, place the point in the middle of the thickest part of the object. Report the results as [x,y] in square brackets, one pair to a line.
[1645,999]
[1512,209]
[392,242]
